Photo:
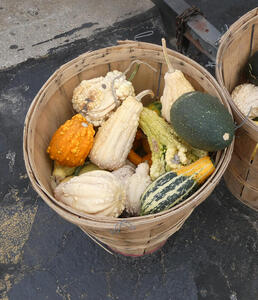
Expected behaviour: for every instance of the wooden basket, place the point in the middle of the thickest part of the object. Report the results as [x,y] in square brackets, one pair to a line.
[240,42]
[52,107]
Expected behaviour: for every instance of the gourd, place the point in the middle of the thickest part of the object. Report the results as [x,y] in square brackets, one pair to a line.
[87,167]
[124,172]
[202,121]
[168,151]
[135,186]
[140,151]
[245,97]
[135,181]
[72,142]
[172,188]
[61,172]
[96,98]
[96,192]
[155,106]
[115,137]
[175,85]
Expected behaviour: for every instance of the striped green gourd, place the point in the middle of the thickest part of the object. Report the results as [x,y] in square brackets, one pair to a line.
[172,187]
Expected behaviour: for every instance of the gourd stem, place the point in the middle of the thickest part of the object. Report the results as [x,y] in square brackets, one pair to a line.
[164,48]
[143,94]
[125,72]
[134,72]
[139,62]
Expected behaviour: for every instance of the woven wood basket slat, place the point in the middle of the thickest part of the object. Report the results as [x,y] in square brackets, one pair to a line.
[236,46]
[52,106]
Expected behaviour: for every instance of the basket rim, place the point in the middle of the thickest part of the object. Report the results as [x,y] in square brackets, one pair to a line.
[224,42]
[99,221]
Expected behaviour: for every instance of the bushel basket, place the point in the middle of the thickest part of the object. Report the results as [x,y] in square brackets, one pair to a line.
[236,46]
[52,107]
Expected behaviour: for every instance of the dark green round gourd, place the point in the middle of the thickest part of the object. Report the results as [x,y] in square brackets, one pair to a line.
[251,69]
[202,121]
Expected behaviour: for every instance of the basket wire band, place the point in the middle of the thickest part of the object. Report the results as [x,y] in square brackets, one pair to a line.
[97,242]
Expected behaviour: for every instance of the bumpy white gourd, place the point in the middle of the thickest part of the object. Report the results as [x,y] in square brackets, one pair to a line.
[124,172]
[96,192]
[246,98]
[95,98]
[135,186]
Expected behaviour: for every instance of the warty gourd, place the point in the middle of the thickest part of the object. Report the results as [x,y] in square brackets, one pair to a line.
[96,98]
[124,172]
[72,142]
[246,98]
[168,152]
[96,192]
[135,182]
[135,186]
[115,137]
[175,85]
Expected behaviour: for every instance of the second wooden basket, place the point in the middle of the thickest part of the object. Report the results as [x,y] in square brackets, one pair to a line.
[236,46]
[52,107]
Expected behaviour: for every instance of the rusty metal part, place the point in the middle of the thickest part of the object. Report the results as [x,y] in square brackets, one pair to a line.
[197,29]
[181,21]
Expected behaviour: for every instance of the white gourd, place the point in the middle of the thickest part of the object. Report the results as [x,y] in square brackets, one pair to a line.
[135,186]
[95,98]
[115,137]
[246,98]
[175,86]
[96,192]
[124,172]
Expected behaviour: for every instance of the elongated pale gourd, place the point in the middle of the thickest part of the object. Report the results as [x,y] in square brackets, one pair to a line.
[175,86]
[115,137]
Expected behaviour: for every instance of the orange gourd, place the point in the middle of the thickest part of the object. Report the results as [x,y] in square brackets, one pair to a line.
[140,142]
[72,142]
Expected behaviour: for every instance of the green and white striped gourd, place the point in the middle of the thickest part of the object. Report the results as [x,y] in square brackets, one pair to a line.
[172,188]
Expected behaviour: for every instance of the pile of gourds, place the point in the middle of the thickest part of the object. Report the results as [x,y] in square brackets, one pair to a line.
[142,160]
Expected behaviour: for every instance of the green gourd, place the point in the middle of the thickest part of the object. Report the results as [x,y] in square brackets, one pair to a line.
[172,187]
[202,121]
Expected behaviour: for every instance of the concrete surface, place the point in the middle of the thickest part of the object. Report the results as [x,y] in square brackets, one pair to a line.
[28,29]
[214,256]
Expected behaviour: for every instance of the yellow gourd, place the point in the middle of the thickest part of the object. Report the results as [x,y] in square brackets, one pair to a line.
[200,170]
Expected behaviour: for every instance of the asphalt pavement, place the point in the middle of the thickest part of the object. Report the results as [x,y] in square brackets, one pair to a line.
[214,256]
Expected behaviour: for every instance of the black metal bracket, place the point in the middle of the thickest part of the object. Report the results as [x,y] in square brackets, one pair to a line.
[198,30]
